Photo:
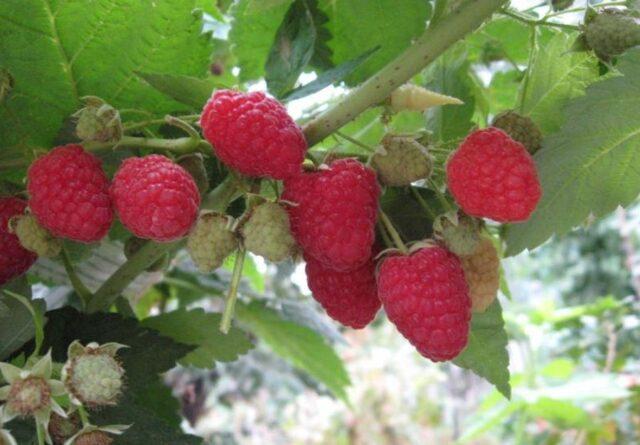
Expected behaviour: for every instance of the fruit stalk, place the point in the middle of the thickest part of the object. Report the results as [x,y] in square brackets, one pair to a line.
[232,296]
[182,145]
[433,42]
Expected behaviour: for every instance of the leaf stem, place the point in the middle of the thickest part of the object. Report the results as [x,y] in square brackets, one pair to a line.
[232,295]
[83,292]
[179,146]
[397,240]
[433,42]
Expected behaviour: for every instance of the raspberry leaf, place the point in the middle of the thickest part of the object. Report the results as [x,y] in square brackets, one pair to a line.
[588,167]
[555,76]
[299,345]
[211,344]
[17,325]
[486,353]
[187,90]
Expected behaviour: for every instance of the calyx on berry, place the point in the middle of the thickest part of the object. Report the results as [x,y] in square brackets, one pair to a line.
[62,428]
[92,375]
[30,391]
[96,435]
[458,231]
[34,237]
[98,121]
[401,160]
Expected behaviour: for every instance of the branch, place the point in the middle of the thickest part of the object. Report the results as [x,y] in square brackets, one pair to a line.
[433,42]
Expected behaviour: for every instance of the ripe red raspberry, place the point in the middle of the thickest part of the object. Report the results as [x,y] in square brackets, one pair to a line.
[492,176]
[14,259]
[426,296]
[253,134]
[333,213]
[69,194]
[350,298]
[155,198]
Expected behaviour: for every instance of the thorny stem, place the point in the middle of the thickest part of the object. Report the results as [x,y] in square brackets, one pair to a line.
[393,232]
[433,42]
[83,292]
[232,295]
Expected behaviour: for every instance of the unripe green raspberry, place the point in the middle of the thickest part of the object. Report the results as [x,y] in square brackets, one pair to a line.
[92,375]
[93,438]
[612,32]
[98,121]
[520,128]
[133,244]
[459,232]
[34,237]
[401,160]
[61,429]
[267,232]
[211,241]
[194,164]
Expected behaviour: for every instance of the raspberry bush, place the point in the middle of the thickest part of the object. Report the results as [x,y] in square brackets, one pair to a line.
[175,192]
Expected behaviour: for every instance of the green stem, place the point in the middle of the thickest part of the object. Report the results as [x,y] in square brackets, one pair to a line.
[178,146]
[83,292]
[440,196]
[232,296]
[393,232]
[423,203]
[183,125]
[535,22]
[433,42]
[40,433]
[439,8]
[142,124]
[355,141]
[84,417]
[525,84]
[385,236]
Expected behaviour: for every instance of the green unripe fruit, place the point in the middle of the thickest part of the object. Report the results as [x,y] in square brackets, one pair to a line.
[401,160]
[211,241]
[612,32]
[521,129]
[98,121]
[34,237]
[93,438]
[61,429]
[460,233]
[267,232]
[93,376]
[133,244]
[194,164]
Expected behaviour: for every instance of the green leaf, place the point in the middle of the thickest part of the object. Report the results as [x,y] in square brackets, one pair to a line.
[589,166]
[301,346]
[211,344]
[358,25]
[408,215]
[292,49]
[188,90]
[17,317]
[36,310]
[79,50]
[254,27]
[556,76]
[561,413]
[486,353]
[329,77]
[450,75]
[505,36]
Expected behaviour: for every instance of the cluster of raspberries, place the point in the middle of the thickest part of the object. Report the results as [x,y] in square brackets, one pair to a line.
[328,213]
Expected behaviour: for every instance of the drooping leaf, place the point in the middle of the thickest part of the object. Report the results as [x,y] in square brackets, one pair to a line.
[450,75]
[78,50]
[556,76]
[359,25]
[486,353]
[329,77]
[17,325]
[200,329]
[299,345]
[292,49]
[253,30]
[589,167]
[188,90]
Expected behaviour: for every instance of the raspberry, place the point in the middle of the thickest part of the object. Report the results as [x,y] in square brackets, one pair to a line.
[61,429]
[350,298]
[14,259]
[34,237]
[29,395]
[459,232]
[211,241]
[401,161]
[155,198]
[482,270]
[426,296]
[69,194]
[253,134]
[92,375]
[93,438]
[611,33]
[492,176]
[333,213]
[520,128]
[267,232]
